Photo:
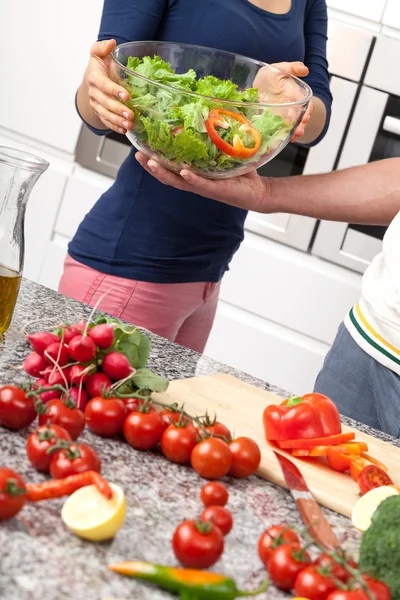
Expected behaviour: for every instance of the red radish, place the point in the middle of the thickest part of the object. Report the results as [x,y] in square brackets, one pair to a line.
[54,376]
[40,341]
[58,352]
[69,333]
[80,326]
[47,396]
[116,366]
[34,364]
[79,396]
[96,384]
[102,335]
[82,348]
[79,374]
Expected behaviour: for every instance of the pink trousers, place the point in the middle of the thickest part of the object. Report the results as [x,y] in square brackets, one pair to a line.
[181,312]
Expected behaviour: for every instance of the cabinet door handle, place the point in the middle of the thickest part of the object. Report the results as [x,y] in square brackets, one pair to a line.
[392,125]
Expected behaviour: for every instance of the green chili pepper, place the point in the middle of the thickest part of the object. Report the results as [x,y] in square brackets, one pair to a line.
[189,584]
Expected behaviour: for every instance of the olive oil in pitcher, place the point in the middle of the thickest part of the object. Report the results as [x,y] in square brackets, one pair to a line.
[9,288]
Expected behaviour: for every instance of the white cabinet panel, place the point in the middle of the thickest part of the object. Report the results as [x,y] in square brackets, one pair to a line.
[391,16]
[44,47]
[53,263]
[368,9]
[83,189]
[347,51]
[283,285]
[265,350]
[384,66]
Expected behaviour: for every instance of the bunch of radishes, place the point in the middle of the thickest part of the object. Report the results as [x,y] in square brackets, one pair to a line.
[76,361]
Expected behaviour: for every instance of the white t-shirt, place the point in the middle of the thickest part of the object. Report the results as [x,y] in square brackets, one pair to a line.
[374,323]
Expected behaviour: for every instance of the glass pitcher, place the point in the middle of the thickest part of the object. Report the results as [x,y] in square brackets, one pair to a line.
[19,171]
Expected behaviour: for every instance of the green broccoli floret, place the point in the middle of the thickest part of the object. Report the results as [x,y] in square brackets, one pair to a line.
[380,546]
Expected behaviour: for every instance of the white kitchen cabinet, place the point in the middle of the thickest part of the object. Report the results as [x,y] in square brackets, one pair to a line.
[298,291]
[44,47]
[391,16]
[53,263]
[265,350]
[367,9]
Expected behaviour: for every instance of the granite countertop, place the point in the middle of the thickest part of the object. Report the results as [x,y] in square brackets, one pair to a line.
[41,559]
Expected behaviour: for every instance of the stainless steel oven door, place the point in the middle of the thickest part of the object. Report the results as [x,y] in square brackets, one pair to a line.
[103,154]
[294,230]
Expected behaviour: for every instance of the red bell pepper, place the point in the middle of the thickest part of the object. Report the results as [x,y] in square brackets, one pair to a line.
[237,149]
[305,443]
[309,417]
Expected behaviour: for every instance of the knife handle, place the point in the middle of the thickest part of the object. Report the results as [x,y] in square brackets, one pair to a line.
[318,526]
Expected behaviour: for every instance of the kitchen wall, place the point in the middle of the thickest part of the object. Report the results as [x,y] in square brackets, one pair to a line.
[279,307]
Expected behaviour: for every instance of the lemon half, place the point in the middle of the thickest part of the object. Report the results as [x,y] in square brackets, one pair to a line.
[91,516]
[366,506]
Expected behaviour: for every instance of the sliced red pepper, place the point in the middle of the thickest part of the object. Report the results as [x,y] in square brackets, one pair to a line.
[357,465]
[373,460]
[237,149]
[330,440]
[347,448]
[338,461]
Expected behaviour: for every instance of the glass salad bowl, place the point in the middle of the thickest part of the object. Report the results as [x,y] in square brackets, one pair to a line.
[217,113]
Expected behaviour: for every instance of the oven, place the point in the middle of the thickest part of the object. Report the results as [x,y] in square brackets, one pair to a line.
[373,134]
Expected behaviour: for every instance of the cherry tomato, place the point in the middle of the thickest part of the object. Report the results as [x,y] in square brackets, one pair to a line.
[275,536]
[105,416]
[171,416]
[311,584]
[372,477]
[12,493]
[211,458]
[214,494]
[378,588]
[285,563]
[197,545]
[220,516]
[17,410]
[217,428]
[40,441]
[143,430]
[71,419]
[331,567]
[177,442]
[78,458]
[135,404]
[246,457]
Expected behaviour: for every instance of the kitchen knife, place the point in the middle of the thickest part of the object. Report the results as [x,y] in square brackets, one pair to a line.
[318,526]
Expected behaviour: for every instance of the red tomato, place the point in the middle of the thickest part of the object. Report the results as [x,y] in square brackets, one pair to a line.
[135,404]
[331,567]
[105,416]
[143,430]
[372,477]
[78,458]
[214,494]
[246,457]
[177,442]
[40,441]
[311,584]
[285,564]
[378,588]
[217,428]
[12,493]
[197,546]
[275,536]
[211,458]
[220,516]
[17,410]
[171,416]
[71,419]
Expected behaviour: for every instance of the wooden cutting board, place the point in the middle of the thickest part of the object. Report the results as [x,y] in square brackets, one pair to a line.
[240,407]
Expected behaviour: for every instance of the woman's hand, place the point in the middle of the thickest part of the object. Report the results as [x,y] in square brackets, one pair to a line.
[297,69]
[104,92]
[249,191]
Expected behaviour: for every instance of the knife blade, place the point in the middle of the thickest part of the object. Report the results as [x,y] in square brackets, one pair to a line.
[317,525]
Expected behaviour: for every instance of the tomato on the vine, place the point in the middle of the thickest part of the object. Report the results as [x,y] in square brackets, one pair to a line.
[197,545]
[312,584]
[178,441]
[40,440]
[331,567]
[214,494]
[211,458]
[17,409]
[143,430]
[77,458]
[172,416]
[285,563]
[58,413]
[216,428]
[379,589]
[105,416]
[372,477]
[246,457]
[220,516]
[275,536]
[12,493]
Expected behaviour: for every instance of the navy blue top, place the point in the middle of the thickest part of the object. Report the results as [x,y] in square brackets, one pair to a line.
[141,229]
